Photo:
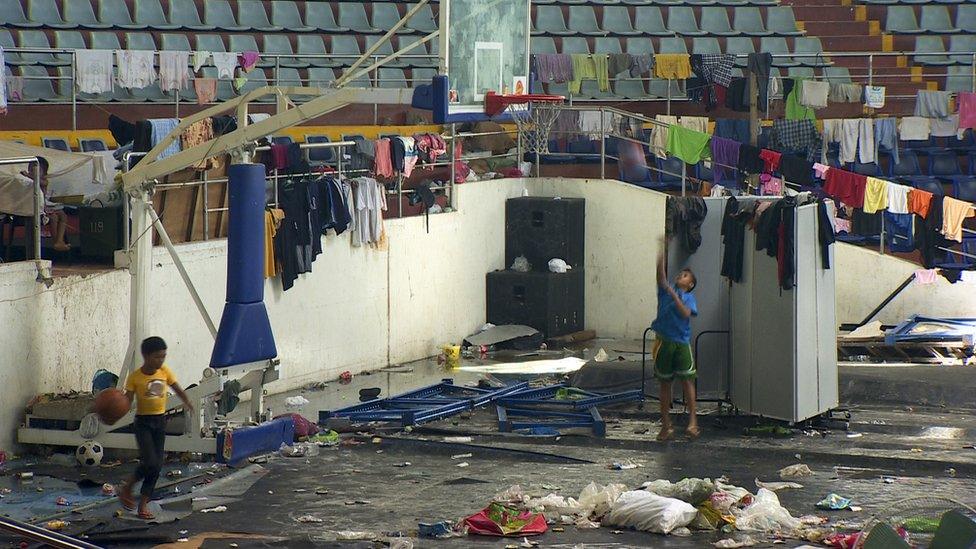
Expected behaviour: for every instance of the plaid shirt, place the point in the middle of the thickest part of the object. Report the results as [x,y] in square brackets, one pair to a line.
[796,135]
[716,68]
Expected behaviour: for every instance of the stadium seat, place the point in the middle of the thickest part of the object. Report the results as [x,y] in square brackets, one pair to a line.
[944,165]
[649,21]
[962,43]
[37,39]
[37,84]
[320,16]
[219,14]
[606,2]
[606,45]
[638,46]
[116,13]
[12,15]
[630,88]
[391,78]
[92,145]
[740,45]
[210,42]
[706,45]
[346,49]
[288,76]
[616,20]
[225,90]
[781,21]
[838,75]
[901,20]
[139,41]
[590,89]
[423,20]
[582,20]
[959,79]
[282,140]
[681,20]
[575,44]
[422,76]
[152,93]
[246,42]
[673,45]
[312,44]
[386,48]
[670,171]
[964,189]
[353,15]
[907,165]
[776,45]
[56,143]
[321,77]
[929,184]
[251,13]
[81,12]
[150,13]
[319,156]
[47,12]
[748,20]
[801,72]
[542,44]
[871,169]
[929,50]
[966,17]
[715,20]
[175,42]
[386,15]
[7,42]
[549,20]
[184,13]
[285,14]
[68,40]
[935,20]
[409,58]
[812,52]
[105,41]
[279,44]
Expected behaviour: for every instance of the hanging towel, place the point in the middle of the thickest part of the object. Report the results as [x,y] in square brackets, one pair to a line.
[383,163]
[589,67]
[409,155]
[925,276]
[796,135]
[954,212]
[919,202]
[761,64]
[15,88]
[619,62]
[932,104]
[725,157]
[898,198]
[914,128]
[688,145]
[161,127]
[95,71]
[736,129]
[796,170]
[966,102]
[247,60]
[225,62]
[200,59]
[206,90]
[946,127]
[866,149]
[814,94]
[553,67]
[174,71]
[886,135]
[820,170]
[845,93]
[137,68]
[848,187]
[659,134]
[770,160]
[672,66]
[874,97]
[875,195]
[641,64]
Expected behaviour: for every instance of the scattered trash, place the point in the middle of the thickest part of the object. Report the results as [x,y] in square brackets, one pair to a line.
[951,471]
[586,524]
[596,500]
[358,502]
[62,501]
[775,431]
[461,456]
[623,466]
[55,525]
[765,514]
[601,356]
[295,402]
[308,518]
[458,440]
[855,435]
[450,355]
[321,491]
[345,377]
[689,490]
[521,264]
[650,512]
[175,473]
[25,475]
[921,524]
[855,508]
[298,450]
[377,440]
[304,427]
[795,471]
[776,486]
[217,509]
[917,450]
[557,265]
[442,529]
[354,535]
[404,464]
[463,464]
[834,502]
[501,520]
[401,543]
[553,504]
[325,438]
[730,543]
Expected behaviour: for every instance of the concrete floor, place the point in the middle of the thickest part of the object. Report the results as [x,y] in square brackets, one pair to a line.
[892,451]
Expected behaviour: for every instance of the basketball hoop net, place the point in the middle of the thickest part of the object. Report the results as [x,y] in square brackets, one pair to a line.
[534,114]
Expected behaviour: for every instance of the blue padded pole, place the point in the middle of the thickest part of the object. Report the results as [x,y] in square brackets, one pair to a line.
[245,332]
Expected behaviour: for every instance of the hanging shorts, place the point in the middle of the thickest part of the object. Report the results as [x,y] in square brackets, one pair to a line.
[673,360]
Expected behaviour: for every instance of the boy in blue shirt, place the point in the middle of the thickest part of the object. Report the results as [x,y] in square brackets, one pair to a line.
[672,346]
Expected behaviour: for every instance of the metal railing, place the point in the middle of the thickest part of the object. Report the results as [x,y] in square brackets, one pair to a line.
[38,201]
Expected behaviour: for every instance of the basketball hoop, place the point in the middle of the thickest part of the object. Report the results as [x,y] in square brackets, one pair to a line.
[535,117]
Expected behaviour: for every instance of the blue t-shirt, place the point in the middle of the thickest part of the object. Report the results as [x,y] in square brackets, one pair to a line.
[669,324]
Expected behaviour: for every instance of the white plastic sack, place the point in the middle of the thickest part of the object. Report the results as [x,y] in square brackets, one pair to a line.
[777,486]
[557,265]
[553,504]
[765,515]
[295,402]
[691,490]
[596,500]
[650,512]
[795,471]
[514,494]
[735,491]
[521,264]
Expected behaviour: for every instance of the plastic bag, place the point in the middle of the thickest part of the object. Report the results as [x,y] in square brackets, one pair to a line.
[514,494]
[295,402]
[557,265]
[596,500]
[521,264]
[650,512]
[734,491]
[554,504]
[795,471]
[691,490]
[777,486]
[765,514]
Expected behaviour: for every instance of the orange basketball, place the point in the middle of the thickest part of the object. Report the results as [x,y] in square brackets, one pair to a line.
[111,405]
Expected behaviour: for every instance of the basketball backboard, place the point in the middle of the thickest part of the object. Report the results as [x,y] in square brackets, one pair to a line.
[484,46]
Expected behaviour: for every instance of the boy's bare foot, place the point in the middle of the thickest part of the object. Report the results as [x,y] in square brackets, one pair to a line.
[146,514]
[61,246]
[667,433]
[693,432]
[125,496]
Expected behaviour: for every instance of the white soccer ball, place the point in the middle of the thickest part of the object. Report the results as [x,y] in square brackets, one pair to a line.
[90,453]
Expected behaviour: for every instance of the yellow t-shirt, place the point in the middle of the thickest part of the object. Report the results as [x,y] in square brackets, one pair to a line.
[150,390]
[875,195]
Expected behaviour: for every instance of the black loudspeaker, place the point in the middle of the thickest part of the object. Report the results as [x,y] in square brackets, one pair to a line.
[100,231]
[549,302]
[545,228]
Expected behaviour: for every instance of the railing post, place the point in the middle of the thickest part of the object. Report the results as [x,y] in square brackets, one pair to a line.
[684,178]
[74,92]
[206,207]
[870,69]
[972,67]
[603,145]
[38,209]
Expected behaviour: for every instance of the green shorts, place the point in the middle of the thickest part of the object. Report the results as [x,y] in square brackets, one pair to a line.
[673,360]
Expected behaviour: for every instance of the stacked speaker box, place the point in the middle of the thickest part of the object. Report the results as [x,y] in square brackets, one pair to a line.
[541,229]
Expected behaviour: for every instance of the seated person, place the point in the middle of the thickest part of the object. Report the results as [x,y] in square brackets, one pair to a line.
[54,220]
[17,199]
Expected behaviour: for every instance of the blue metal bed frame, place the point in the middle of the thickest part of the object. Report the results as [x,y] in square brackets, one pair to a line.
[536,405]
[902,332]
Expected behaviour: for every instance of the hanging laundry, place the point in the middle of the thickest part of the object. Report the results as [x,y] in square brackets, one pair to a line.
[618,63]
[136,68]
[335,213]
[200,59]
[683,217]
[736,129]
[247,60]
[925,276]
[796,170]
[272,220]
[841,92]
[672,66]
[174,71]
[737,96]
[95,71]
[919,202]
[725,157]
[749,161]
[770,185]
[383,164]
[734,222]
[370,202]
[15,88]
[796,136]
[659,134]
[928,234]
[409,155]
[886,135]
[641,64]
[952,275]
[914,128]
[874,97]
[954,212]
[590,67]
[899,232]
[966,103]
[825,234]
[867,150]
[897,198]
[814,94]
[946,127]
[226,63]
[770,160]
[795,110]
[553,67]
[397,153]
[715,74]
[205,89]
[430,146]
[848,187]
[856,138]
[688,145]
[239,82]
[932,104]
[875,195]
[3,84]
[198,133]
[761,64]
[160,128]
[595,123]
[820,170]
[694,123]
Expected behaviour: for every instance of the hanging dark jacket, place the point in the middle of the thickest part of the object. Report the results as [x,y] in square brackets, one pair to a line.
[684,216]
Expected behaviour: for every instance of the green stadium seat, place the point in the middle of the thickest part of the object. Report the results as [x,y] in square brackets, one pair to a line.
[184,13]
[280,44]
[901,20]
[219,14]
[12,15]
[353,15]
[931,45]
[582,20]
[781,21]
[748,20]
[285,14]
[616,20]
[649,21]
[116,13]
[386,15]
[681,19]
[549,20]
[320,16]
[312,44]
[423,20]
[150,13]
[715,21]
[47,12]
[37,39]
[81,12]
[936,20]
[251,13]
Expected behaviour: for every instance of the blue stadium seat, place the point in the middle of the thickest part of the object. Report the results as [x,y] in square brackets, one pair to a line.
[218,13]
[81,12]
[56,143]
[681,20]
[705,45]
[392,78]
[966,17]
[944,165]
[740,45]
[616,20]
[606,44]
[386,48]
[965,189]
[542,44]
[12,15]
[320,16]
[346,48]
[47,12]
[319,156]
[670,171]
[929,184]
[92,145]
[184,13]
[749,21]
[907,165]
[421,49]
[870,169]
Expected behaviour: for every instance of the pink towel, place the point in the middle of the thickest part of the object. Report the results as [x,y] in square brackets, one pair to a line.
[926,276]
[967,109]
[247,60]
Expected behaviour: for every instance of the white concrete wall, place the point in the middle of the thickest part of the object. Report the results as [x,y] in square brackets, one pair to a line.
[865,278]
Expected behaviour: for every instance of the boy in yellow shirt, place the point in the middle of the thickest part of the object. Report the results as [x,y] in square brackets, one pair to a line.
[149,384]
